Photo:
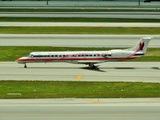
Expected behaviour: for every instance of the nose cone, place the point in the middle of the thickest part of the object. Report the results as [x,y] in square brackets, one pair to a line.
[20,60]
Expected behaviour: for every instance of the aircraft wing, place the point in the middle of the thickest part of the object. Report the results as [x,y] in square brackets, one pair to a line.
[90,61]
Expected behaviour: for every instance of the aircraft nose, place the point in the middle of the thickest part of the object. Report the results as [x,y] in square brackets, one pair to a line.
[19,60]
[22,60]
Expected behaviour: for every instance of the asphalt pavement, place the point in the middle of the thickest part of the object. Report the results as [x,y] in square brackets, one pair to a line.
[79,3]
[80,109]
[138,15]
[75,40]
[109,71]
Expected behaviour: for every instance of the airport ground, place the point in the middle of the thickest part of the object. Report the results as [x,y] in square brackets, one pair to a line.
[131,15]
[129,3]
[84,41]
[118,23]
[110,71]
[71,108]
[90,109]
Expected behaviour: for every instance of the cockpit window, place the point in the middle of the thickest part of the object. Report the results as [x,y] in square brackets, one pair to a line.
[29,55]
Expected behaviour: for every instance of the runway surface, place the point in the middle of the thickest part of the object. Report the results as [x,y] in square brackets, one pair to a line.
[77,24]
[84,7]
[140,15]
[73,40]
[110,71]
[79,3]
[80,109]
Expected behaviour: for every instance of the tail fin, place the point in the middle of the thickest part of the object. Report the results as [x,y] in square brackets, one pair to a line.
[142,45]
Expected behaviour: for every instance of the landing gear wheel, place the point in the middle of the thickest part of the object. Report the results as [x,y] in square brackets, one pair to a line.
[25,66]
[92,66]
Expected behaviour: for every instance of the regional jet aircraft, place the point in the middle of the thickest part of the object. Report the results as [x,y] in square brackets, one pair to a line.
[88,57]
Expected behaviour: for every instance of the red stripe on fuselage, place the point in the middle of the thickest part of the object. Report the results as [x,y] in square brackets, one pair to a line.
[69,59]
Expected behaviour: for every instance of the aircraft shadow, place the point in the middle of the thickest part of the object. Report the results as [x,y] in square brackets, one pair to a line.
[52,68]
[86,68]
[155,68]
[124,68]
[131,68]
[95,69]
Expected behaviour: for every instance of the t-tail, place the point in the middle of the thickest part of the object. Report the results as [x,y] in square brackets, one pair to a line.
[141,46]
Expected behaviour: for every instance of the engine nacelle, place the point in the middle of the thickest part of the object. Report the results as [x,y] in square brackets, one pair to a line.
[120,53]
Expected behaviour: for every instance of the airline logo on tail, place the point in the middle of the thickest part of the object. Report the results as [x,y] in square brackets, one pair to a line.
[141,46]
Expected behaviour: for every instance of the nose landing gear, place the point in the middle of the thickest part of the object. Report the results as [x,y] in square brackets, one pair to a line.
[25,66]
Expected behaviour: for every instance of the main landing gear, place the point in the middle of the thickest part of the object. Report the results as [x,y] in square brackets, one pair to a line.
[91,65]
[25,66]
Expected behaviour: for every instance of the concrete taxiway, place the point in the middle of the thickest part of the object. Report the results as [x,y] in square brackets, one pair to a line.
[73,40]
[80,3]
[80,109]
[83,7]
[77,24]
[110,71]
[139,15]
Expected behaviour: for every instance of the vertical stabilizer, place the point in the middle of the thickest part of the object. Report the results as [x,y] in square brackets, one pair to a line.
[142,45]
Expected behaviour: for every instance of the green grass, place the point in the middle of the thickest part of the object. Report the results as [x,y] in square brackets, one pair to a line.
[79,30]
[57,89]
[66,19]
[11,53]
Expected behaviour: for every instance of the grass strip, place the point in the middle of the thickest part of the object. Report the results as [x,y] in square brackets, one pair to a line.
[78,89]
[33,9]
[11,53]
[79,30]
[65,19]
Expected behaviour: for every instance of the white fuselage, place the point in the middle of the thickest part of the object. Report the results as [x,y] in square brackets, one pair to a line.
[80,56]
[88,57]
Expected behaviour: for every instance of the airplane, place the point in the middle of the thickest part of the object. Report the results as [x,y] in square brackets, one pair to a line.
[89,58]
